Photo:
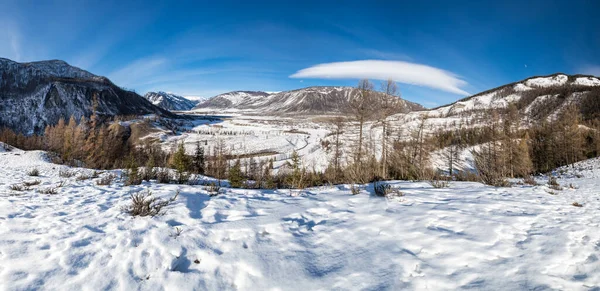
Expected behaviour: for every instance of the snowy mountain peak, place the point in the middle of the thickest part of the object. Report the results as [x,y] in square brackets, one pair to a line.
[170,101]
[310,101]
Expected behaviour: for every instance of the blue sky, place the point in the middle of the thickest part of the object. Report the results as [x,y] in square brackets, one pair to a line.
[437,50]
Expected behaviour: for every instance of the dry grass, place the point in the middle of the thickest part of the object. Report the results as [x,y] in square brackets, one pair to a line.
[49,190]
[31,183]
[66,174]
[34,172]
[106,180]
[144,204]
[439,183]
[577,204]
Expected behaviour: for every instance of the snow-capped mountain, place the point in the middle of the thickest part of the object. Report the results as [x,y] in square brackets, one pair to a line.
[33,95]
[234,100]
[536,97]
[170,101]
[309,101]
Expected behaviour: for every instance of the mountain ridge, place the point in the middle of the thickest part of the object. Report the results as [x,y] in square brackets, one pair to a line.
[36,94]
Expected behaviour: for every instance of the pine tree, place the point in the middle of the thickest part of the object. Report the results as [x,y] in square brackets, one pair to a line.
[133,176]
[235,176]
[198,160]
[181,163]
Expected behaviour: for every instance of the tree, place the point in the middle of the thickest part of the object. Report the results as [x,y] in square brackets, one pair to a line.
[296,177]
[235,176]
[361,105]
[388,104]
[198,159]
[335,165]
[181,163]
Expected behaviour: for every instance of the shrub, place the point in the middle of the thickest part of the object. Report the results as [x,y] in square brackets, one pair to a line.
[49,190]
[66,173]
[577,204]
[83,177]
[143,204]
[213,189]
[439,183]
[553,183]
[34,172]
[31,183]
[529,180]
[132,177]
[355,190]
[18,187]
[163,176]
[386,190]
[106,180]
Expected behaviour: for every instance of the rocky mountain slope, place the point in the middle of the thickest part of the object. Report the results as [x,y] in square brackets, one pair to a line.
[33,95]
[234,100]
[170,101]
[537,98]
[308,101]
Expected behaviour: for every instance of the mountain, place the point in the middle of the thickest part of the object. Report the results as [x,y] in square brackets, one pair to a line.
[170,101]
[307,101]
[536,97]
[33,95]
[234,100]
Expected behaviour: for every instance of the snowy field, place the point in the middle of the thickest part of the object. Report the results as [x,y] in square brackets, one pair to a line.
[468,236]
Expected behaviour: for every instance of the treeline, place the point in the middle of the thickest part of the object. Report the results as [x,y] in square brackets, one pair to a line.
[502,148]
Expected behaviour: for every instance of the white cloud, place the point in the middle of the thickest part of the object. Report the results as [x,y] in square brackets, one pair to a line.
[402,72]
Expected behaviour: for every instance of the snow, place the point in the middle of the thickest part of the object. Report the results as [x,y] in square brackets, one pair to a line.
[520,87]
[464,236]
[557,80]
[587,81]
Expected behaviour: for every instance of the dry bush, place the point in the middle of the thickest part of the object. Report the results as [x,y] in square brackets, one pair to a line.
[163,176]
[354,189]
[577,204]
[18,187]
[34,172]
[553,183]
[106,180]
[49,190]
[467,176]
[213,189]
[132,178]
[66,174]
[31,183]
[438,183]
[573,186]
[529,180]
[386,190]
[143,204]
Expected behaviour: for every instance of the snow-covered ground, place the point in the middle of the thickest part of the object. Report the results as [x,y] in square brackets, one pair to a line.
[464,236]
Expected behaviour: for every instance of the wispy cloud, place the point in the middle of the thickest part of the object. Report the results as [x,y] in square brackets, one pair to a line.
[138,71]
[10,41]
[403,72]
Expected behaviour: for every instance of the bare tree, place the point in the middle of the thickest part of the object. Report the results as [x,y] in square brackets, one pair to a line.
[388,104]
[361,105]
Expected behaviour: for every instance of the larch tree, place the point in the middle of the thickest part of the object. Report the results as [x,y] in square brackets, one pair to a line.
[361,105]
[388,104]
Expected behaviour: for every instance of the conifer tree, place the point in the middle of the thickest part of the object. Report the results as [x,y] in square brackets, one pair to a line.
[181,163]
[198,160]
[235,176]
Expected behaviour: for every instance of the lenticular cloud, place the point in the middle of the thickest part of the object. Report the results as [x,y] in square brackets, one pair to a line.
[403,72]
